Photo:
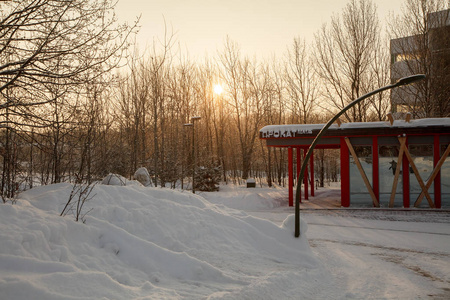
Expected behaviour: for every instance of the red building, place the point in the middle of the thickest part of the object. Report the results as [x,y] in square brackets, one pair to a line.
[387,164]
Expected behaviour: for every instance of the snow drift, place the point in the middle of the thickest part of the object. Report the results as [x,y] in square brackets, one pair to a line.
[147,243]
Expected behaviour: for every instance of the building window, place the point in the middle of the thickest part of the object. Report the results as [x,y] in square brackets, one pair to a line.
[406,57]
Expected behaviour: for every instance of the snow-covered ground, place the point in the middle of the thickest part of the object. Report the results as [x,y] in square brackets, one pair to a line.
[152,243]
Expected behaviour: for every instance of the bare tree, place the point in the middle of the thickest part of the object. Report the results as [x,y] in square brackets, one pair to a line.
[46,39]
[247,85]
[92,127]
[302,83]
[380,70]
[182,84]
[48,50]
[135,98]
[79,196]
[275,111]
[345,50]
[159,68]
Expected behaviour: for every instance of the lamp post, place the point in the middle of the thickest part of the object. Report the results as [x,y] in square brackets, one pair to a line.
[400,82]
[193,119]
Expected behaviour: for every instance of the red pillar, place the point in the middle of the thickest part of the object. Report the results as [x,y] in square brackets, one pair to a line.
[437,180]
[345,174]
[405,174]
[305,178]
[375,169]
[311,166]
[299,166]
[291,177]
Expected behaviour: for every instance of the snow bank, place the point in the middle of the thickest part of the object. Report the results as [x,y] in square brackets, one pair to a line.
[148,243]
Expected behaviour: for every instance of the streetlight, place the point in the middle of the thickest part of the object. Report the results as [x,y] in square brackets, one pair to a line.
[400,82]
[193,119]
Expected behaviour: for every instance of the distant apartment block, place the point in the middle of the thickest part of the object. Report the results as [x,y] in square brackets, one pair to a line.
[423,54]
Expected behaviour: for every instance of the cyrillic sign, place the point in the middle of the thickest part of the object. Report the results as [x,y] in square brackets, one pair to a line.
[284,133]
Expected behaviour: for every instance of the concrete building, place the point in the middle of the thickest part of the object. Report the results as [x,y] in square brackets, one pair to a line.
[428,54]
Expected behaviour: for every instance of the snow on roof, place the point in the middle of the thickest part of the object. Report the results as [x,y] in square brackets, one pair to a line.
[290,130]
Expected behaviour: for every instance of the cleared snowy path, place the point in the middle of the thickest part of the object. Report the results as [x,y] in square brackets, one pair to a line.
[377,254]
[381,259]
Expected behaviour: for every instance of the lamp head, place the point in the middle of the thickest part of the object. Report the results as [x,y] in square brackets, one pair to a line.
[410,79]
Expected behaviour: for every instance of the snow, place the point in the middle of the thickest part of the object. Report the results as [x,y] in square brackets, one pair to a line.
[151,243]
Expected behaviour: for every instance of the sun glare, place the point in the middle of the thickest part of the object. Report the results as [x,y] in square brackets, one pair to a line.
[218,89]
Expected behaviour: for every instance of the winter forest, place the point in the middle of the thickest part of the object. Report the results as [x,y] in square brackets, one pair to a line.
[80,101]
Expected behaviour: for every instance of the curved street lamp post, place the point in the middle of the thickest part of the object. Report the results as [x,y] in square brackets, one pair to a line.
[400,82]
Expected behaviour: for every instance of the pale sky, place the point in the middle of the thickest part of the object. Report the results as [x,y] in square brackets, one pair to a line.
[260,27]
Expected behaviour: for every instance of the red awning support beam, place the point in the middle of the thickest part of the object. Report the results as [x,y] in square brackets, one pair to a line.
[437,180]
[375,169]
[305,176]
[311,167]
[291,176]
[299,164]
[345,174]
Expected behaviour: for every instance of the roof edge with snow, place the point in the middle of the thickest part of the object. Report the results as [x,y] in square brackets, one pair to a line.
[419,126]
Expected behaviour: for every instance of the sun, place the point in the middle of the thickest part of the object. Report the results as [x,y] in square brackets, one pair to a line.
[218,89]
